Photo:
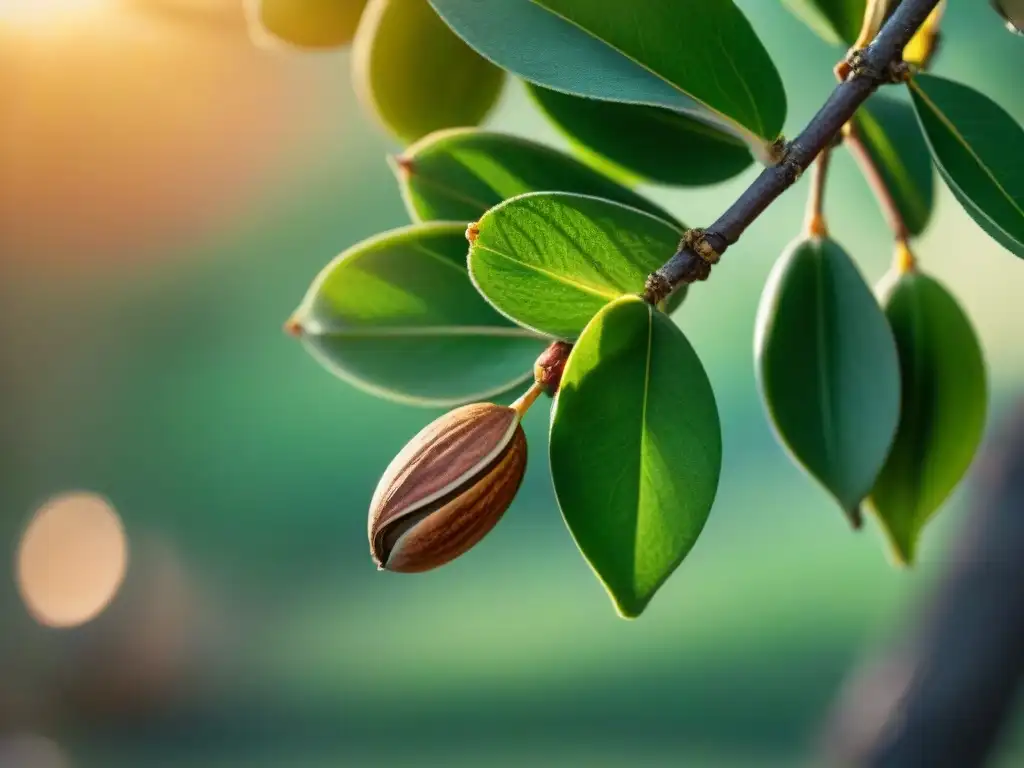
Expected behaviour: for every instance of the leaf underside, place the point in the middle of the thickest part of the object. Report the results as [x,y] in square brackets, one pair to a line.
[943,408]
[650,143]
[631,52]
[459,174]
[977,147]
[827,369]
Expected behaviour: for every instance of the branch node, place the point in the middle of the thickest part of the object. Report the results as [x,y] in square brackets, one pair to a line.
[777,151]
[791,166]
[858,64]
[657,288]
[900,72]
[697,241]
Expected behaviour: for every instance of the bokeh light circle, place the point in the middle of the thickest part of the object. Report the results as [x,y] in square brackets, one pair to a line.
[71,560]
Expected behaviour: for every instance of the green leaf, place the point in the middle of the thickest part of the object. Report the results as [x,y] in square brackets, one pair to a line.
[835,21]
[651,143]
[457,175]
[305,23]
[415,75]
[827,369]
[977,147]
[892,137]
[550,261]
[636,449]
[397,315]
[698,57]
[943,413]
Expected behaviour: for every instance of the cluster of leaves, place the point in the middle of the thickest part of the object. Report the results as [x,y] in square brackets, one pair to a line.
[884,403]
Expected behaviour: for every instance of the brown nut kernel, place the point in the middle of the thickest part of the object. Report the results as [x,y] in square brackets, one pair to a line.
[447,488]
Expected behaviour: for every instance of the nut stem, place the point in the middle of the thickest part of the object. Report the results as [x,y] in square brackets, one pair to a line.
[522,405]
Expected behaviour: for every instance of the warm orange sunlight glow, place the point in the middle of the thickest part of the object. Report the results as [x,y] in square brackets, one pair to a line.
[127,133]
[45,12]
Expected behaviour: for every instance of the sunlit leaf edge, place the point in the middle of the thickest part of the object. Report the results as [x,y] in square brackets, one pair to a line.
[377,390]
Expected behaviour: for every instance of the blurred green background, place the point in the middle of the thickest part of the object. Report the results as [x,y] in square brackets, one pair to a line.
[167,193]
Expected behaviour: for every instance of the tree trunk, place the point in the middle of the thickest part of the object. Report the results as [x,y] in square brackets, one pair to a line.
[941,697]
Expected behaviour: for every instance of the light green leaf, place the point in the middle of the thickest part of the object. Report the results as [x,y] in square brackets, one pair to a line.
[650,143]
[943,411]
[304,23]
[636,449]
[893,139]
[398,316]
[977,147]
[697,57]
[550,261]
[415,75]
[835,21]
[457,175]
[827,369]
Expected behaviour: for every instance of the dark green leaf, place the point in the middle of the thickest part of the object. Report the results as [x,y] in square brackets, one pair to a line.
[651,143]
[836,21]
[636,449]
[943,413]
[457,175]
[550,261]
[305,23]
[977,147]
[892,137]
[415,75]
[397,315]
[827,369]
[698,57]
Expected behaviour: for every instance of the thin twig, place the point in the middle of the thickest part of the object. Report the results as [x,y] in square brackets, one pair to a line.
[814,222]
[873,175]
[686,266]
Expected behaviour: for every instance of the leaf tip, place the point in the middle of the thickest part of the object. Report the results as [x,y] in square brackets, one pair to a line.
[855,516]
[629,605]
[902,555]
[403,166]
[629,612]
[293,327]
[473,232]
